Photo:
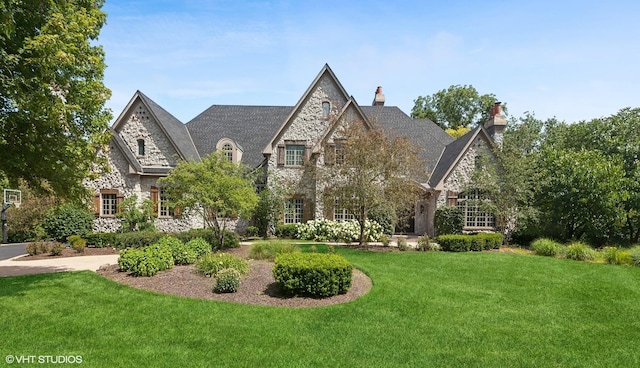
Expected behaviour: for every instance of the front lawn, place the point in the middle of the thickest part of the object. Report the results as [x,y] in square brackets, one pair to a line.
[425,310]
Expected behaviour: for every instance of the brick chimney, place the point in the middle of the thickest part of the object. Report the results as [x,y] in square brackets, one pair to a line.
[378,100]
[496,123]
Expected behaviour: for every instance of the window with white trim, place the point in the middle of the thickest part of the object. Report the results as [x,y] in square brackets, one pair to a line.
[470,203]
[227,152]
[294,155]
[342,215]
[109,204]
[293,210]
[163,209]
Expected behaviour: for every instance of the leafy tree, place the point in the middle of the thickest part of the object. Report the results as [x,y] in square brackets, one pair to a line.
[459,132]
[136,217]
[269,206]
[212,188]
[454,107]
[52,115]
[376,171]
[25,223]
[68,219]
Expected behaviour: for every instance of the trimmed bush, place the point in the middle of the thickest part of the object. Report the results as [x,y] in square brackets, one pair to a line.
[617,256]
[211,264]
[455,243]
[448,220]
[207,234]
[492,240]
[56,249]
[227,281]
[286,231]
[100,240]
[253,231]
[182,255]
[129,259]
[199,246]
[231,240]
[146,262]
[269,250]
[137,239]
[77,243]
[67,220]
[315,274]
[546,247]
[580,252]
[39,247]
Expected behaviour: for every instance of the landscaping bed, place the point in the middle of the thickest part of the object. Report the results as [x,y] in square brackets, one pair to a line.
[68,252]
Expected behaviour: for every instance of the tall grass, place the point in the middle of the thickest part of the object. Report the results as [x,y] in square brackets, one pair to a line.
[270,249]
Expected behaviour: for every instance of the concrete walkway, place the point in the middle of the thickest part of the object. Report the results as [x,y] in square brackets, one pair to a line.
[10,267]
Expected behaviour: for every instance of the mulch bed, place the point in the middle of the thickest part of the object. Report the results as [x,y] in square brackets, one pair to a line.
[68,252]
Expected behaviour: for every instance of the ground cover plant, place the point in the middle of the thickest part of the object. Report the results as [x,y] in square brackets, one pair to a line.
[427,309]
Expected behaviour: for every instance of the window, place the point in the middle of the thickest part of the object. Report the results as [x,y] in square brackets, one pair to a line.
[109,203]
[141,147]
[293,210]
[326,108]
[227,152]
[470,203]
[342,215]
[339,153]
[294,155]
[163,209]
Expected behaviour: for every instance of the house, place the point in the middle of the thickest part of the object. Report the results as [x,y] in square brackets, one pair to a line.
[148,141]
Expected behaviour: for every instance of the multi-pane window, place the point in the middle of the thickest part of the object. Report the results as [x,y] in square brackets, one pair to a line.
[342,215]
[294,155]
[339,153]
[293,210]
[109,204]
[227,152]
[163,209]
[470,203]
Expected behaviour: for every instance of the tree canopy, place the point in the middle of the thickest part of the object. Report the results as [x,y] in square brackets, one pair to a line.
[214,188]
[454,107]
[377,174]
[52,115]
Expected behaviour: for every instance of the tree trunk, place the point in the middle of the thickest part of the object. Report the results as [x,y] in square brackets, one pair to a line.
[363,219]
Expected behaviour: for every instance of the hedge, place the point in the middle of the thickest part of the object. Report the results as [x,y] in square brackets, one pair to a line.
[315,274]
[465,243]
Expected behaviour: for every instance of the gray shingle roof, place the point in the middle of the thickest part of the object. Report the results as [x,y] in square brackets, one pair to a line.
[429,138]
[250,127]
[450,155]
[176,131]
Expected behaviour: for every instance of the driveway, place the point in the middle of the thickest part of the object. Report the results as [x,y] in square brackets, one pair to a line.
[12,250]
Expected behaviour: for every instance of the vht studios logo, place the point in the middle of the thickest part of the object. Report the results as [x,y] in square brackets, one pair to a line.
[50,359]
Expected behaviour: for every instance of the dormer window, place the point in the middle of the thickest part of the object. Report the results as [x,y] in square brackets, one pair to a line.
[326,108]
[227,152]
[141,147]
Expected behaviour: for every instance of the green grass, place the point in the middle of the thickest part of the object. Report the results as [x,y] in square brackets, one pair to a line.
[432,309]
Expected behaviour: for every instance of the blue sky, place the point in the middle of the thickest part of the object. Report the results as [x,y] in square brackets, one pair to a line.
[575,60]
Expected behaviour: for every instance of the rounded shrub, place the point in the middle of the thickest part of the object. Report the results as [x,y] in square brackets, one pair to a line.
[39,247]
[580,252]
[227,281]
[211,264]
[315,274]
[129,259]
[77,243]
[546,247]
[147,261]
[67,220]
[200,246]
[56,249]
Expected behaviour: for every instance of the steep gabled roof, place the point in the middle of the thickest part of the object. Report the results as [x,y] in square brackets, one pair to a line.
[250,127]
[174,130]
[350,104]
[285,123]
[429,138]
[453,153]
[133,162]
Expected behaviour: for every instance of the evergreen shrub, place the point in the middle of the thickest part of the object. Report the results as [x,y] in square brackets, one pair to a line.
[315,274]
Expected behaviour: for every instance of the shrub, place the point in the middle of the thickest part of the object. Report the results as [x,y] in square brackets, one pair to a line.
[56,249]
[314,274]
[231,240]
[546,247]
[207,234]
[345,231]
[617,256]
[77,243]
[182,255]
[227,281]
[635,255]
[286,231]
[100,240]
[129,259]
[580,252]
[448,220]
[199,246]
[253,231]
[492,240]
[455,243]
[211,264]
[385,216]
[269,250]
[385,240]
[67,220]
[39,247]
[402,244]
[136,239]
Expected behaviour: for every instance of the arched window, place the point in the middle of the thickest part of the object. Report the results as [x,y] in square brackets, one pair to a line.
[141,147]
[227,151]
[326,108]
